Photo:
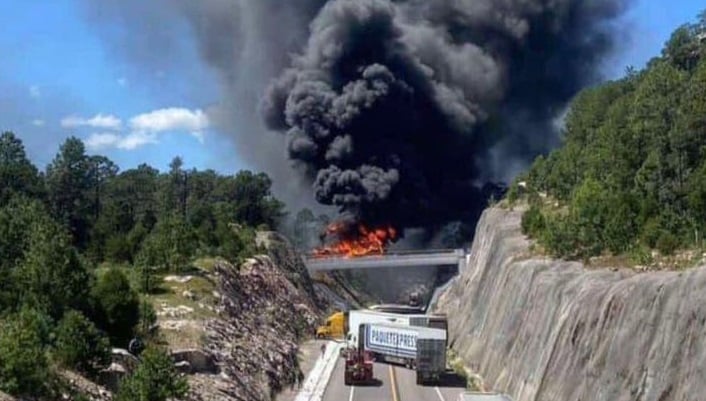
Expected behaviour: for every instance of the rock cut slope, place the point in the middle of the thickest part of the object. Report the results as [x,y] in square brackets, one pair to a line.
[268,305]
[549,330]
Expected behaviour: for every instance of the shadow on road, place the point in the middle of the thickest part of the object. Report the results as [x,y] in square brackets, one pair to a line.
[451,379]
[370,383]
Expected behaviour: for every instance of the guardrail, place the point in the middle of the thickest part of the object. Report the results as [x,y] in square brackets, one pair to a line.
[429,258]
[455,252]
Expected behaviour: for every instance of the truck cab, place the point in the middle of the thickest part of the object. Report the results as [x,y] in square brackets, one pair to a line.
[358,363]
[335,326]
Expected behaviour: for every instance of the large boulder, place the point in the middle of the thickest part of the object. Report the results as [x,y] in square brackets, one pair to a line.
[198,360]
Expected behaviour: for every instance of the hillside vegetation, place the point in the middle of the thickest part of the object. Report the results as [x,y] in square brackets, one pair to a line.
[58,310]
[631,174]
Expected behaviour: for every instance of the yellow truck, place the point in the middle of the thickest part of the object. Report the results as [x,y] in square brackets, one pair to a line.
[341,325]
[336,326]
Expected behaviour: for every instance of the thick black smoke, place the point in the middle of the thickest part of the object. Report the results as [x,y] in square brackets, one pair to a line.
[393,109]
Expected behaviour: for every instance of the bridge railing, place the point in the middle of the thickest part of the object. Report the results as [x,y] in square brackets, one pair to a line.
[390,254]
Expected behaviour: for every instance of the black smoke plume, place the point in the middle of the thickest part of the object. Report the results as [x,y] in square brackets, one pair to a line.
[394,109]
[397,111]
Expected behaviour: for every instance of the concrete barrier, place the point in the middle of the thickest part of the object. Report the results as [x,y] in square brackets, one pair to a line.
[317,380]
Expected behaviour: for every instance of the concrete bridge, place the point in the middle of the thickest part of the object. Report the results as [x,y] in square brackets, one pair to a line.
[430,258]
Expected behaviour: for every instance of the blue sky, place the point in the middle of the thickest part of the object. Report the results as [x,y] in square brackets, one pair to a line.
[652,21]
[57,74]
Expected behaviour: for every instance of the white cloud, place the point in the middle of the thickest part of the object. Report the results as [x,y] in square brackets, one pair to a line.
[122,81]
[171,119]
[98,121]
[35,92]
[199,136]
[103,140]
[146,128]
[38,122]
[136,139]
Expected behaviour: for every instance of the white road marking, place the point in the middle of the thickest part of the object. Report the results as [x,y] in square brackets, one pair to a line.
[350,397]
[438,392]
[319,376]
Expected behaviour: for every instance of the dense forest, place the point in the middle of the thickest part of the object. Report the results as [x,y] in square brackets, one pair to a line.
[57,308]
[631,174]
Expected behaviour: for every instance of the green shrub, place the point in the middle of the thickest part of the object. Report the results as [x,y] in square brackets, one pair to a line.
[667,243]
[169,246]
[237,242]
[79,345]
[533,222]
[144,279]
[24,368]
[650,233]
[641,255]
[136,238]
[51,277]
[473,381]
[117,249]
[514,192]
[117,306]
[620,229]
[559,237]
[155,379]
[148,317]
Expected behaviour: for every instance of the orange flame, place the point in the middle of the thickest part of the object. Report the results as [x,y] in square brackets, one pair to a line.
[357,241]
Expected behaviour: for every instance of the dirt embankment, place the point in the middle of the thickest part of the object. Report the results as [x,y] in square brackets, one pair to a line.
[549,330]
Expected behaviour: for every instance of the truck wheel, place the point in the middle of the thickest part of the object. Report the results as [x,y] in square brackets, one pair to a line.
[347,381]
[420,379]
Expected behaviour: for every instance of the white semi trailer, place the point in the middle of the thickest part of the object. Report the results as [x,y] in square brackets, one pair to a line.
[419,348]
[358,317]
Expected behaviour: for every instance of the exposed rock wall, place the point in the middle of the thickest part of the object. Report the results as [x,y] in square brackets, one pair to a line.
[548,330]
[268,305]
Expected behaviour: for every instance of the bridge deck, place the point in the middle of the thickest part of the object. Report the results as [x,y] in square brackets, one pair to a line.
[396,259]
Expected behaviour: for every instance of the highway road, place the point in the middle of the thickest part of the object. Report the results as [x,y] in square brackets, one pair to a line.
[393,383]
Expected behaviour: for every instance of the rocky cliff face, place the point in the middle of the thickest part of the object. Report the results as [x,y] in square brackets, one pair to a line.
[267,306]
[548,330]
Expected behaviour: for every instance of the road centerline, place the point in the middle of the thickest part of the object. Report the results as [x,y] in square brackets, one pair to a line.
[350,395]
[393,383]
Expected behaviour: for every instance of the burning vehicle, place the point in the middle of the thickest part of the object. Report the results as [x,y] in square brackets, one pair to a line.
[353,240]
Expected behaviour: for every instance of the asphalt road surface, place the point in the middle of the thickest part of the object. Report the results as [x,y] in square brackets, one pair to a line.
[392,383]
